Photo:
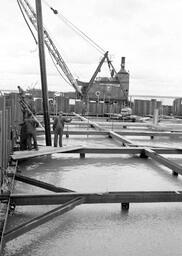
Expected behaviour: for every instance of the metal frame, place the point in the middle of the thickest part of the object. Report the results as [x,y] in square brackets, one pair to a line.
[70,199]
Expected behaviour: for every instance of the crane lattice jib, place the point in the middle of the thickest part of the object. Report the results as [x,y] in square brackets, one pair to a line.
[50,45]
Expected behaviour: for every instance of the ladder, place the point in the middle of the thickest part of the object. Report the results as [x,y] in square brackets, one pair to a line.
[25,107]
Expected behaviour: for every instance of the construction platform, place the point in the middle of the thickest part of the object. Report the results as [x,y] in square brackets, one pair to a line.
[67,199]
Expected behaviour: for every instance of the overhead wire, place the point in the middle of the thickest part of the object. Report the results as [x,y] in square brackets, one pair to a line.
[76,29]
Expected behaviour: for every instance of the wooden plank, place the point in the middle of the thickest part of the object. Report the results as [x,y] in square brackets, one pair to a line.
[94,198]
[162,160]
[40,184]
[37,221]
[45,150]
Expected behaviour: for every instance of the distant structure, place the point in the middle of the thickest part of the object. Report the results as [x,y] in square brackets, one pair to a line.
[177,107]
[146,107]
[112,89]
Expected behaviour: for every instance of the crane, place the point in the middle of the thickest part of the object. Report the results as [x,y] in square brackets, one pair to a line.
[86,86]
[31,14]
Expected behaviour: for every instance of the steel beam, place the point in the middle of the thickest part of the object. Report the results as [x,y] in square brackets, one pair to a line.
[115,135]
[124,150]
[132,149]
[162,160]
[94,198]
[40,184]
[37,221]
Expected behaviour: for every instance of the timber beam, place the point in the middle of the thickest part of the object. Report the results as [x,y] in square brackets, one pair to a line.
[37,221]
[94,198]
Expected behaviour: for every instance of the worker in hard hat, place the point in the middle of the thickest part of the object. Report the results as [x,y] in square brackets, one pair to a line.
[58,127]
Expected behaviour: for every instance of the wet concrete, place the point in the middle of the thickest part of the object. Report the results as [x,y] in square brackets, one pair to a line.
[146,230]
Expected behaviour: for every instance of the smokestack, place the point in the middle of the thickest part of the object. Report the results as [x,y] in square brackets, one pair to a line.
[123,63]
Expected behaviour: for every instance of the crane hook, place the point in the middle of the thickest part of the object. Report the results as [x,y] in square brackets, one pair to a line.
[54,10]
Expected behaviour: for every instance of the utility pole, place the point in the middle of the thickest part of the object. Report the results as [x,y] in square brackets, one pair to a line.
[43,72]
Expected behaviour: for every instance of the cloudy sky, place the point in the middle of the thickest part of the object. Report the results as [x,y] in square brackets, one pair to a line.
[147,32]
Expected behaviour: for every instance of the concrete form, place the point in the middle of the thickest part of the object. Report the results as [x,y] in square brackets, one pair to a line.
[69,199]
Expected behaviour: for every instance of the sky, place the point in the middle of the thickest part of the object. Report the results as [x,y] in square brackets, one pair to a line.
[147,32]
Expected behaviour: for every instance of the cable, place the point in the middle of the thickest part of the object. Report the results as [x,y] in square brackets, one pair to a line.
[58,69]
[37,42]
[82,34]
[76,29]
[27,22]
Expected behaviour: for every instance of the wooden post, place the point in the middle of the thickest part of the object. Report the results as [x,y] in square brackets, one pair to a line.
[43,72]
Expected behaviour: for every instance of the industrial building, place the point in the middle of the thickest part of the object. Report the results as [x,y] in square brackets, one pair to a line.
[146,107]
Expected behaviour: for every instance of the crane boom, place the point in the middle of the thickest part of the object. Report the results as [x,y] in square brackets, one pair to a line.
[31,14]
[87,86]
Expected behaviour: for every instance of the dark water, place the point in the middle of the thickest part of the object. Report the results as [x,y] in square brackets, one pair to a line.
[146,230]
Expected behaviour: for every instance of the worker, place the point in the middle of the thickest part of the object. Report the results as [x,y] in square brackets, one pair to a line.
[31,126]
[23,136]
[58,127]
[21,92]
